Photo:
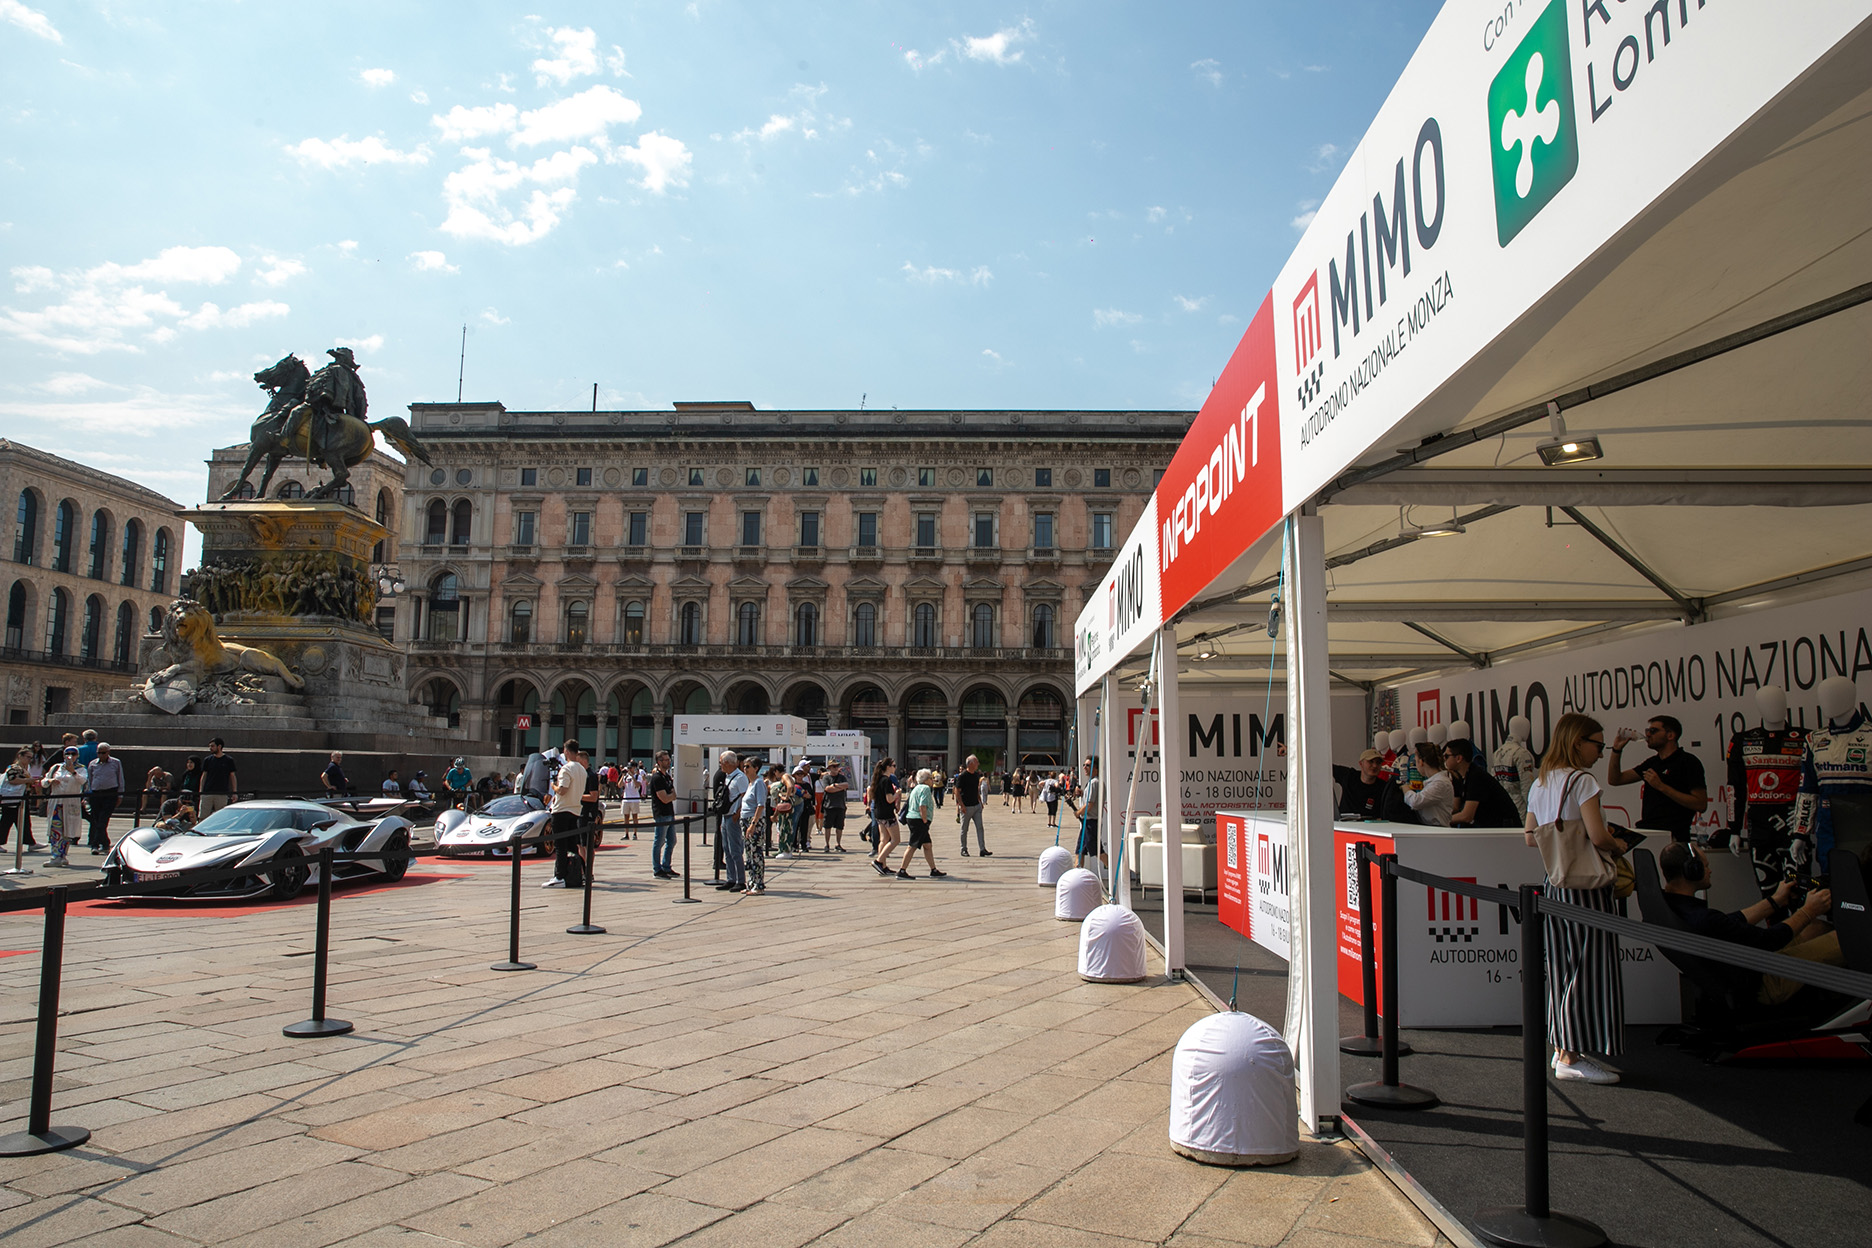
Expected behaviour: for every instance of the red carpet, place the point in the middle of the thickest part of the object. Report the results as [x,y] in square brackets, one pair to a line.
[222,909]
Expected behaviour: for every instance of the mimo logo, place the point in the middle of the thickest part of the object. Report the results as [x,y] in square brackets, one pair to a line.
[1532,130]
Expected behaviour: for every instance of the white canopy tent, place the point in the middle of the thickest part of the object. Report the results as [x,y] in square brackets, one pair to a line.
[702,739]
[1696,298]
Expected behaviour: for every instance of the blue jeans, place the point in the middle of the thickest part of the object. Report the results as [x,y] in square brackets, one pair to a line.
[663,845]
[734,850]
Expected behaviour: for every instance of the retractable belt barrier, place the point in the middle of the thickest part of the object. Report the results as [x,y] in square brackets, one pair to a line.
[1533,1223]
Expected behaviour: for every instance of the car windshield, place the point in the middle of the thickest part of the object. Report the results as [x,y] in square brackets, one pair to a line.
[503,807]
[255,820]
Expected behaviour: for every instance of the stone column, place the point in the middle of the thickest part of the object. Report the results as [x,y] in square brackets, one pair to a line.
[599,750]
[897,729]
[656,732]
[954,758]
[1013,740]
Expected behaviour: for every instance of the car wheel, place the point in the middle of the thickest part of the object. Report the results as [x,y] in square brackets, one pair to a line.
[289,872]
[396,868]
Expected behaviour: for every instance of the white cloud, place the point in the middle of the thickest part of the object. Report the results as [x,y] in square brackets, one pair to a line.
[471,123]
[992,354]
[918,62]
[998,47]
[29,20]
[586,115]
[432,262]
[112,307]
[664,160]
[348,245]
[1322,158]
[344,151]
[493,317]
[1309,208]
[932,275]
[208,316]
[578,56]
[1154,214]
[209,266]
[1191,305]
[277,270]
[145,412]
[366,345]
[475,191]
[419,97]
[29,278]
[378,77]
[1208,69]
[72,383]
[1103,317]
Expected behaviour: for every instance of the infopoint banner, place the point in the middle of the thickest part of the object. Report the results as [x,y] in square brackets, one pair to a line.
[1518,141]
[1124,609]
[1225,480]
[1706,676]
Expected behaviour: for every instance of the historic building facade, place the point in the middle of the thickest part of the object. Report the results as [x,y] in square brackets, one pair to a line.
[95,558]
[915,575]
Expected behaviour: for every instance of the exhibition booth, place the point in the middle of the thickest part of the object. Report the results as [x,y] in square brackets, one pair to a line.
[1559,404]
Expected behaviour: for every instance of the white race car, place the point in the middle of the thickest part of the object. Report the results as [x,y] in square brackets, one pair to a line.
[279,839]
[490,831]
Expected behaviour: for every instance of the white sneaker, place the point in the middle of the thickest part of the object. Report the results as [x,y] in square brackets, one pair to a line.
[554,883]
[1583,1069]
[777,857]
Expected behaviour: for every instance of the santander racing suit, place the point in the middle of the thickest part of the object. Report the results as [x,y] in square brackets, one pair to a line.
[1764,777]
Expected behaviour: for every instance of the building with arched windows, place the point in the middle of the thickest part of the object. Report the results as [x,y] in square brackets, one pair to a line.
[906,574]
[92,560]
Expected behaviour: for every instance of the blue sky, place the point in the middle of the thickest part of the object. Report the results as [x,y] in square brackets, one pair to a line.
[960,205]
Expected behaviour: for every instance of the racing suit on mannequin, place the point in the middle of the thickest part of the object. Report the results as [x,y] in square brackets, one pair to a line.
[1765,777]
[1512,764]
[1835,793]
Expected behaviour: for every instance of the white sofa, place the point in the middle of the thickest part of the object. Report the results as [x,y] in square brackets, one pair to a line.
[1199,865]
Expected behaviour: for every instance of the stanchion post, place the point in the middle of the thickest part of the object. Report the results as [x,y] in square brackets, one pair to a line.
[40,1136]
[584,926]
[318,1024]
[1388,1093]
[19,843]
[513,962]
[1370,1044]
[686,899]
[1534,1224]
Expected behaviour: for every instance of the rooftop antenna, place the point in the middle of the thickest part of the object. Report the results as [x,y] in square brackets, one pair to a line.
[594,396]
[861,400]
[461,366]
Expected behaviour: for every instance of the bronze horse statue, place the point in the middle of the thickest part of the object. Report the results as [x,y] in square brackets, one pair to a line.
[285,428]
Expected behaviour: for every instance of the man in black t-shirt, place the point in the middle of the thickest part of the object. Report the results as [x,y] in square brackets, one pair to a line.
[662,791]
[1361,791]
[832,811]
[968,788]
[1481,801]
[1674,792]
[219,784]
[333,777]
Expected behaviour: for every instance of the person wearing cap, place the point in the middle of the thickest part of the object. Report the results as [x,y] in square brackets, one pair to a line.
[104,786]
[64,786]
[1361,788]
[418,789]
[220,785]
[458,780]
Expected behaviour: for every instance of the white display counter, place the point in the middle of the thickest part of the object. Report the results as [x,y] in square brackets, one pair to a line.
[1460,959]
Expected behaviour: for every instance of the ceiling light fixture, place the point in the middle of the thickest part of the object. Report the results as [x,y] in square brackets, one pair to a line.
[1562,449]
[1448,528]
[1204,655]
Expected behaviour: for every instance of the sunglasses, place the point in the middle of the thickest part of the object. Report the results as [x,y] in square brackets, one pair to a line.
[1598,741]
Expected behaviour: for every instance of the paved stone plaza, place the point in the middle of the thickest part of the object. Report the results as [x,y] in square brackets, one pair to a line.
[844,1061]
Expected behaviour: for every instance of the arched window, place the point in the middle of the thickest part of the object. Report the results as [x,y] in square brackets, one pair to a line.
[435,531]
[690,633]
[864,624]
[16,617]
[132,562]
[56,609]
[633,623]
[383,518]
[806,625]
[520,623]
[99,561]
[981,627]
[747,624]
[126,634]
[445,608]
[290,489]
[1043,638]
[64,526]
[155,620]
[26,528]
[90,636]
[159,563]
[443,701]
[347,495]
[247,490]
[577,622]
[461,521]
[923,630]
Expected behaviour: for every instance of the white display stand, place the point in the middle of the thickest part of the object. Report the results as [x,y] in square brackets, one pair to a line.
[1077,894]
[1112,949]
[1232,1095]
[1460,960]
[850,746]
[701,739]
[1055,861]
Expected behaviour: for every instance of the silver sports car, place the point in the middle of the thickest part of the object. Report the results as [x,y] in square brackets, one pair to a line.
[280,840]
[491,830]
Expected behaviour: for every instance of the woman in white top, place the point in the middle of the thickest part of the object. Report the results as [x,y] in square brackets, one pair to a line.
[1585,997]
[1435,798]
[633,787]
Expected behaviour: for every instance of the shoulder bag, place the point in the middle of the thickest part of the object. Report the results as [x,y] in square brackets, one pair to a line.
[1568,853]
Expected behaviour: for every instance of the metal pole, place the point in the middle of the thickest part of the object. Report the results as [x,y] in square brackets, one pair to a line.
[686,898]
[19,841]
[584,926]
[513,962]
[1389,1093]
[1369,1044]
[40,1136]
[1535,1224]
[318,1024]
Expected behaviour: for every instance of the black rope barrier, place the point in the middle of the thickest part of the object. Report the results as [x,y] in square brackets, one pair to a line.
[40,1136]
[1371,1044]
[589,844]
[1388,1092]
[318,1024]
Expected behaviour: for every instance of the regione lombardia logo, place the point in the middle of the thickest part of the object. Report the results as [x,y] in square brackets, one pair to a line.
[1532,129]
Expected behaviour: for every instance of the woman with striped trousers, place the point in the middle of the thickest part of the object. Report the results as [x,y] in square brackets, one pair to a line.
[1585,997]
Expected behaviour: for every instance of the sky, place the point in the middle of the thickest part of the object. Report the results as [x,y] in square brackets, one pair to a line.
[977,205]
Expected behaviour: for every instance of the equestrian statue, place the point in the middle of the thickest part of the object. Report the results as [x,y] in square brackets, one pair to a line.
[320,416]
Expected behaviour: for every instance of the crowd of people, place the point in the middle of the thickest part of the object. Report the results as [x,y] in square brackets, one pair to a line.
[77,789]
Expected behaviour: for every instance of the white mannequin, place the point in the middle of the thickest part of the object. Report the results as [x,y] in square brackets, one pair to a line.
[1398,739]
[1416,737]
[1771,701]
[1438,734]
[1838,699]
[1520,728]
[1381,741]
[1459,731]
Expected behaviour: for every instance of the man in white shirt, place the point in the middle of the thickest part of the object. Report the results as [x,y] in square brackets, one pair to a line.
[568,794]
[730,838]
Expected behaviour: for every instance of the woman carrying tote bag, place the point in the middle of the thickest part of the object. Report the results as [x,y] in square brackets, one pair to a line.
[1585,998]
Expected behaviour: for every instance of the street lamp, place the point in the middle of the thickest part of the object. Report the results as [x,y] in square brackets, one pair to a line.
[390,581]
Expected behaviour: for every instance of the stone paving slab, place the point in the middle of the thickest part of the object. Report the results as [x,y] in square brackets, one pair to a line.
[847,1060]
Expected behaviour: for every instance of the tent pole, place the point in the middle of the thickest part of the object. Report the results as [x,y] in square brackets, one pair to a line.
[1310,822]
[1114,828]
[1170,773]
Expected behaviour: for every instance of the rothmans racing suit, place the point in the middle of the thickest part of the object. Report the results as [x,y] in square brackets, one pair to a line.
[1835,792]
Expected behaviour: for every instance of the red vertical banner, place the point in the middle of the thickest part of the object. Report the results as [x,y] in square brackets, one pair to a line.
[1351,952]
[1232,868]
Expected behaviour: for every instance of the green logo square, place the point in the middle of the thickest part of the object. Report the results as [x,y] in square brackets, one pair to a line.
[1532,130]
